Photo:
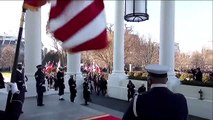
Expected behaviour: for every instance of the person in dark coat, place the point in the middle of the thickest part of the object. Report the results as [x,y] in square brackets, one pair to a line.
[199,75]
[60,82]
[2,85]
[73,91]
[131,90]
[86,92]
[40,84]
[159,103]
[20,81]
[103,85]
[141,89]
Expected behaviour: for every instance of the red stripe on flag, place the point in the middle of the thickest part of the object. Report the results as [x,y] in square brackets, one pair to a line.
[79,21]
[99,42]
[59,8]
[67,29]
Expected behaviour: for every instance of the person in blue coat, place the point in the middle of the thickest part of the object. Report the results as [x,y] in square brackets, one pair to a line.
[159,103]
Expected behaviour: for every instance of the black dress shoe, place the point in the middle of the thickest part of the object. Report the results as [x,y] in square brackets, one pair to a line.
[40,105]
[62,99]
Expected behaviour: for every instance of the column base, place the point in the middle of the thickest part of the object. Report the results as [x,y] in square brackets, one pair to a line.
[116,87]
[31,86]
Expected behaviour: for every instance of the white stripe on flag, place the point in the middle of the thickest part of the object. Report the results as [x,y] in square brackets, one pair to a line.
[90,31]
[73,9]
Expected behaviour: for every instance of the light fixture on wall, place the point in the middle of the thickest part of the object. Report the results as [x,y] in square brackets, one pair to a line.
[136,11]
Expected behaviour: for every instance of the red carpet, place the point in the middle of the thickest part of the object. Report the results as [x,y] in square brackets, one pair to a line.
[103,117]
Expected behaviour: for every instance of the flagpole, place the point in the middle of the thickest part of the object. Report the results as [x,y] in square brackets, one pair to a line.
[15,62]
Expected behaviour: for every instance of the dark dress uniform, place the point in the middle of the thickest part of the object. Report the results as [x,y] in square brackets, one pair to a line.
[40,81]
[199,75]
[158,104]
[1,81]
[86,92]
[131,90]
[19,79]
[73,90]
[60,82]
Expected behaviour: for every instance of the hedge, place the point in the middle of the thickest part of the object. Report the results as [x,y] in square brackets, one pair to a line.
[143,77]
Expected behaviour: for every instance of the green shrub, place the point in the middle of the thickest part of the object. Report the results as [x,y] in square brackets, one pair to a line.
[178,75]
[197,83]
[131,73]
[205,77]
[184,76]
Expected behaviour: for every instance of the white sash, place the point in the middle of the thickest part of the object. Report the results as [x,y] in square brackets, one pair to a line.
[134,106]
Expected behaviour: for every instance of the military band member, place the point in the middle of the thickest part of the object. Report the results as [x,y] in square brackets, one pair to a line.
[40,84]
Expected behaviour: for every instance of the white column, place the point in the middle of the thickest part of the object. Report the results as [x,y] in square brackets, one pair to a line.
[74,68]
[167,23]
[118,49]
[118,77]
[32,48]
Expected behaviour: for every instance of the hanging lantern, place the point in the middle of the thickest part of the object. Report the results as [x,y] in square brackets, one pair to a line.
[136,11]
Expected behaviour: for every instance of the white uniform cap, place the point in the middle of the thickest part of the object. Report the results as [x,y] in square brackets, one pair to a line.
[156,69]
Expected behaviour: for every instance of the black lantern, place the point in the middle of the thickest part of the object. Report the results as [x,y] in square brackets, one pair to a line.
[136,11]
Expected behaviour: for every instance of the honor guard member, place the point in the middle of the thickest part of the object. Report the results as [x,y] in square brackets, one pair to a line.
[20,81]
[40,84]
[60,80]
[86,92]
[159,103]
[131,90]
[73,91]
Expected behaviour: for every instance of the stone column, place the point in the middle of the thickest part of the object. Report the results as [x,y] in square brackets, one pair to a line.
[74,68]
[118,75]
[32,49]
[167,27]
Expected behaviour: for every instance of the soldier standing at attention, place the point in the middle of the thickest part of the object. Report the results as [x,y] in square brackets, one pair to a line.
[20,81]
[40,84]
[73,91]
[60,80]
[86,92]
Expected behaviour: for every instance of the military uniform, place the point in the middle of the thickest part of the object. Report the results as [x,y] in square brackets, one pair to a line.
[86,92]
[19,79]
[73,91]
[40,82]
[159,103]
[60,82]
[131,90]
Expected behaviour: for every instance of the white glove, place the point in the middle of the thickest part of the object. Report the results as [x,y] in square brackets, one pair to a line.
[13,87]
